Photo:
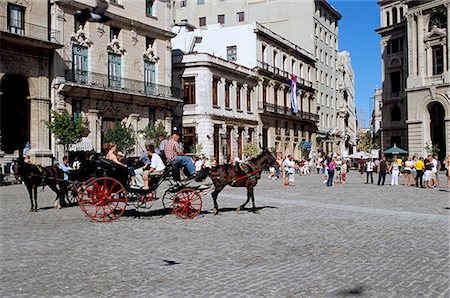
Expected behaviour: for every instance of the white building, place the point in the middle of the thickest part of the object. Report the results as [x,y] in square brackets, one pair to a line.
[376,122]
[272,59]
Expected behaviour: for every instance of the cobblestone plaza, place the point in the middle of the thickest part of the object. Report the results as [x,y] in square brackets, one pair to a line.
[307,241]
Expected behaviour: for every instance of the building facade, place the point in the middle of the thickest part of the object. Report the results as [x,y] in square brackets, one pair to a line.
[376,121]
[274,60]
[115,72]
[416,88]
[27,47]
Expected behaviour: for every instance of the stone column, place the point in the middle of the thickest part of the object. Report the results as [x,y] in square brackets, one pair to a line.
[94,129]
[39,135]
[420,46]
[233,96]
[221,93]
[244,98]
[411,45]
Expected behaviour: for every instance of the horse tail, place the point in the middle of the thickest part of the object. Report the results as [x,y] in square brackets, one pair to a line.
[203,175]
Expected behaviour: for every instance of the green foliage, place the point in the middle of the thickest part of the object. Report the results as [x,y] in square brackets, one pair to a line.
[152,131]
[122,136]
[196,149]
[366,143]
[251,150]
[273,150]
[433,150]
[66,130]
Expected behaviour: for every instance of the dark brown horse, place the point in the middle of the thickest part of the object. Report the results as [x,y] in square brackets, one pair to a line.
[34,176]
[241,176]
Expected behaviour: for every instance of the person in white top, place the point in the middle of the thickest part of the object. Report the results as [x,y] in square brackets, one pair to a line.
[289,166]
[408,170]
[369,170]
[156,166]
[198,164]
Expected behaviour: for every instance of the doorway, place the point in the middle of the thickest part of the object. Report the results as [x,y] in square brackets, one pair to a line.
[437,127]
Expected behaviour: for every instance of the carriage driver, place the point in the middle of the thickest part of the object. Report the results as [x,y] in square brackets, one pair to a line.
[155,168]
[177,157]
[146,160]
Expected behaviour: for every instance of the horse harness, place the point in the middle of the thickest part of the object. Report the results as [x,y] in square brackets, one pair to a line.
[248,169]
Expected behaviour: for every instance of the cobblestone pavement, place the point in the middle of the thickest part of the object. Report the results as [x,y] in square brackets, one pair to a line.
[308,241]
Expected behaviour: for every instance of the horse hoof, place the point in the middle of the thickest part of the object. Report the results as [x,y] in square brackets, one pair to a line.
[215,211]
[31,210]
[238,209]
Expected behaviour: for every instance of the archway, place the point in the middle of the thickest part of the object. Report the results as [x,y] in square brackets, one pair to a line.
[437,127]
[15,112]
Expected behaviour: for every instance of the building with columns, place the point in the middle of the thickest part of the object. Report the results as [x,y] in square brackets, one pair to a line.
[376,121]
[27,47]
[264,61]
[424,73]
[118,71]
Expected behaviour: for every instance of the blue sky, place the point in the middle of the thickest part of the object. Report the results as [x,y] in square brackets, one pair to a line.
[356,34]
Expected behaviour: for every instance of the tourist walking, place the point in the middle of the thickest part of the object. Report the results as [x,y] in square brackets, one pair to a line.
[382,169]
[395,171]
[330,167]
[362,166]
[369,170]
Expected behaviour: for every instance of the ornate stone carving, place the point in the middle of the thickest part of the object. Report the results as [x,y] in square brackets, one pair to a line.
[150,54]
[115,47]
[81,37]
[134,38]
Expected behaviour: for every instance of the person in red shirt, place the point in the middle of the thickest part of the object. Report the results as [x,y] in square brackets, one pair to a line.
[177,157]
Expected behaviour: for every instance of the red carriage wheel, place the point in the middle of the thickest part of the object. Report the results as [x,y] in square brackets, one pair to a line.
[187,203]
[103,199]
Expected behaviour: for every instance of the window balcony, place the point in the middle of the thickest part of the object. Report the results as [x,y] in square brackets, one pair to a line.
[287,112]
[283,75]
[27,34]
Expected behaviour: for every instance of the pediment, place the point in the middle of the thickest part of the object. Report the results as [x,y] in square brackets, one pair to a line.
[435,33]
[81,37]
[115,47]
[150,54]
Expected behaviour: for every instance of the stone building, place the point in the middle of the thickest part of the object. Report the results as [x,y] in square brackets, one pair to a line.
[376,121]
[416,88]
[118,71]
[27,48]
[273,59]
[219,113]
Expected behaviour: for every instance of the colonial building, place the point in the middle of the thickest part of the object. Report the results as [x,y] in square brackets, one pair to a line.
[119,71]
[274,60]
[219,116]
[376,121]
[326,20]
[416,89]
[346,125]
[27,47]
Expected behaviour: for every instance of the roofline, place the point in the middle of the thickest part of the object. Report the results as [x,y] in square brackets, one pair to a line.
[330,8]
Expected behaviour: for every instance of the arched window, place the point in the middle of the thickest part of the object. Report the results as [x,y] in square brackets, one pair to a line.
[439,20]
[388,18]
[396,114]
[394,15]
[401,13]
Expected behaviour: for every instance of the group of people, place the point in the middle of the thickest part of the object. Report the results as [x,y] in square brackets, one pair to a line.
[288,167]
[417,171]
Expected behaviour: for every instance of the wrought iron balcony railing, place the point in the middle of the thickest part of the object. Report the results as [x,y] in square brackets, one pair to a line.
[282,110]
[29,30]
[284,74]
[114,83]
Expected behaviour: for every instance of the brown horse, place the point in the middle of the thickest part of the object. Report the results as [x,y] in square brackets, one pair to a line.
[241,176]
[34,176]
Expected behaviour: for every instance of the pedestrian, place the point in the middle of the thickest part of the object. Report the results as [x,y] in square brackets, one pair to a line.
[407,171]
[344,170]
[395,171]
[362,166]
[382,169]
[289,166]
[419,165]
[447,170]
[319,166]
[413,170]
[330,167]
[369,171]
[436,168]
[338,170]
[428,174]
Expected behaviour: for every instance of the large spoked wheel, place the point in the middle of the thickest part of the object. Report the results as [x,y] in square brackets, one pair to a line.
[103,199]
[187,203]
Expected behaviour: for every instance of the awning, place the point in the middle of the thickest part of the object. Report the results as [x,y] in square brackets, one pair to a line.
[395,150]
[83,145]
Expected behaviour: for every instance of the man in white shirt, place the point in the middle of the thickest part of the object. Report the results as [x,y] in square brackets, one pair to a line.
[156,166]
[369,170]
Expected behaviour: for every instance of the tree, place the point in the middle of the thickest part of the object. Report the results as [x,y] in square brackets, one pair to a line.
[433,150]
[122,136]
[66,130]
[152,131]
[366,143]
[251,150]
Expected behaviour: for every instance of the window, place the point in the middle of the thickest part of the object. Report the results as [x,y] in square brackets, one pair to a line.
[227,95]
[149,77]
[263,53]
[396,140]
[439,20]
[284,62]
[189,139]
[264,95]
[183,3]
[249,100]
[438,60]
[395,81]
[79,63]
[286,128]
[275,97]
[114,70]
[396,114]
[189,90]
[275,62]
[388,19]
[215,90]
[221,19]
[401,13]
[202,21]
[76,109]
[240,17]
[238,97]
[114,31]
[200,2]
[394,15]
[151,115]
[16,16]
[394,46]
[149,7]
[232,53]
[149,41]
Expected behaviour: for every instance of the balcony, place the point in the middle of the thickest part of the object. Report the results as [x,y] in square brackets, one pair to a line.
[282,110]
[85,83]
[283,75]
[27,34]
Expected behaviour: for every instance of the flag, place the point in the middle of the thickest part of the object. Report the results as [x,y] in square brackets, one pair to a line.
[294,103]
